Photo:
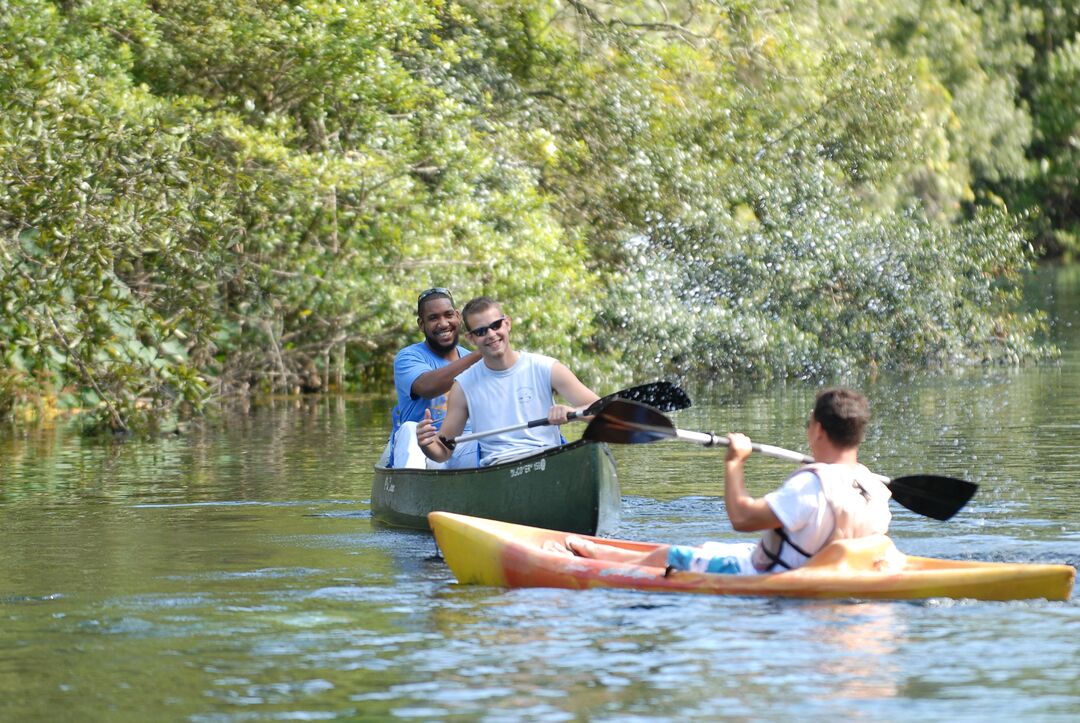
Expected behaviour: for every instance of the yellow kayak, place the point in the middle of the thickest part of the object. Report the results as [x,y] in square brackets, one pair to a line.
[487,552]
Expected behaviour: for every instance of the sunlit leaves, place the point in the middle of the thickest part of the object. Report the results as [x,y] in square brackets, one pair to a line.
[207,198]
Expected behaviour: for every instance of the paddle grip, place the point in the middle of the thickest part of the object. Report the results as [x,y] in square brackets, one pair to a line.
[768,450]
[544,422]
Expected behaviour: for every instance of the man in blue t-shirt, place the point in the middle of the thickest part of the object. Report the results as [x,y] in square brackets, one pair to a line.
[423,374]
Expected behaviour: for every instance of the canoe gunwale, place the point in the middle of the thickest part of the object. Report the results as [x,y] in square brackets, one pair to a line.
[546,453]
[573,487]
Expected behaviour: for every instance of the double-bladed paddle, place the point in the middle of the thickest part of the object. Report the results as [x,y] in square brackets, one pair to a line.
[662,396]
[630,422]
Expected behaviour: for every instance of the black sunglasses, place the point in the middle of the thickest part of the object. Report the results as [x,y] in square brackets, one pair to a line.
[493,326]
[432,291]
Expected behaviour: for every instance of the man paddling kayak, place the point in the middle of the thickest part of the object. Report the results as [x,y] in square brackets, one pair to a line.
[509,388]
[832,499]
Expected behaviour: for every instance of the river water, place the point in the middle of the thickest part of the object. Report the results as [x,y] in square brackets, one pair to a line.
[235,575]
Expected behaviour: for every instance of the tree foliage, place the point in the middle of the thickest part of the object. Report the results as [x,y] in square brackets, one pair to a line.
[204,199]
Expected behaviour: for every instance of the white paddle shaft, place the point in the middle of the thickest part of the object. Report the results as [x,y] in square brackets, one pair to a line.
[511,428]
[713,440]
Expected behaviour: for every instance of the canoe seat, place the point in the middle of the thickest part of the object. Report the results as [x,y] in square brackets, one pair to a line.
[875,553]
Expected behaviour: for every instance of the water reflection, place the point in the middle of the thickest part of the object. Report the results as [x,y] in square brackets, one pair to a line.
[234,573]
[857,644]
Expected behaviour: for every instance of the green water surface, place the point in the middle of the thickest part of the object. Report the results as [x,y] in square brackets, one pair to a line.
[234,574]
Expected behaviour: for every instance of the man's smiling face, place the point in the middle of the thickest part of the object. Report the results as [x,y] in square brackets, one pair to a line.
[440,322]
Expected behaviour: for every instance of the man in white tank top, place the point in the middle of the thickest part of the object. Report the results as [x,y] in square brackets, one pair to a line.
[508,388]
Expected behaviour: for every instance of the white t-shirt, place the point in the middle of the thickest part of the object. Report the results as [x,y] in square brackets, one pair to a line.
[802,508]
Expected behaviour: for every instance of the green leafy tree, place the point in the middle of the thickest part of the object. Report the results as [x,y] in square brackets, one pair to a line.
[207,199]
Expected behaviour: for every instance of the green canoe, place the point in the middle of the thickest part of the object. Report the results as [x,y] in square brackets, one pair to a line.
[572,488]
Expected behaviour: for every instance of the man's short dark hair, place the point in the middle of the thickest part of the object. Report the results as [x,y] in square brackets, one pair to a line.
[843,414]
[477,306]
[436,292]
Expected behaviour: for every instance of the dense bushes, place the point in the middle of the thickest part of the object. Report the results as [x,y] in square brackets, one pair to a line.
[201,199]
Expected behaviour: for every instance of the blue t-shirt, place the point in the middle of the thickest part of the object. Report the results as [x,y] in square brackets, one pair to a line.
[410,363]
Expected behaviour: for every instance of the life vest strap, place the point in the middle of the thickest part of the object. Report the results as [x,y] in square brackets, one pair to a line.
[775,556]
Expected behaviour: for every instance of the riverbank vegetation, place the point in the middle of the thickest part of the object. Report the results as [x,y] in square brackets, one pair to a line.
[205,199]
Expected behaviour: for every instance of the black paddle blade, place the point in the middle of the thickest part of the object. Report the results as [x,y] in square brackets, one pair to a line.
[665,396]
[626,422]
[931,495]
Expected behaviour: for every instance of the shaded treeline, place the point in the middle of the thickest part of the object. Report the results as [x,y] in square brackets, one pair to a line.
[201,199]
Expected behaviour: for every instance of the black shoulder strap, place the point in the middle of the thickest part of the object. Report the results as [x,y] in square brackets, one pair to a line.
[775,556]
[784,536]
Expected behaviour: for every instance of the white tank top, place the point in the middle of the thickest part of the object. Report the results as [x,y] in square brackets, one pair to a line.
[512,396]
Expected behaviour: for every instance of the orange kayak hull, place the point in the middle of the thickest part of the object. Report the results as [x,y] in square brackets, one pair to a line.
[487,552]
